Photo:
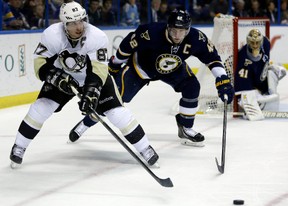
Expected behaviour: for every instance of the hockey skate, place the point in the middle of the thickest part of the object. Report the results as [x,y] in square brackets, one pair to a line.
[16,156]
[190,137]
[150,156]
[77,131]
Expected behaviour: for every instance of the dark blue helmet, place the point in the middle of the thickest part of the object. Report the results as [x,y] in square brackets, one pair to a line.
[179,19]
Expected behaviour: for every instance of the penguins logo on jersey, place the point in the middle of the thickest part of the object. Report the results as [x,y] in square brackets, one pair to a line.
[167,63]
[72,62]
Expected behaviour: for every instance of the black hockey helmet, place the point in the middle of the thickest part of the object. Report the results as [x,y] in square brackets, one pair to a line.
[179,19]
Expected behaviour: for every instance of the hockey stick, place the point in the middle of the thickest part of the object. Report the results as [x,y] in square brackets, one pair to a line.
[222,166]
[164,182]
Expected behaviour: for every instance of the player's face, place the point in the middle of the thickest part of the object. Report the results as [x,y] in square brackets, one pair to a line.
[255,46]
[177,35]
[75,29]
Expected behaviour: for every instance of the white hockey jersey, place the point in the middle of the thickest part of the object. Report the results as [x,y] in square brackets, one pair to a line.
[73,58]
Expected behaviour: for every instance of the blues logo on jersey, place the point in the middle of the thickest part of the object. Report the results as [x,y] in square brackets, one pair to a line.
[167,63]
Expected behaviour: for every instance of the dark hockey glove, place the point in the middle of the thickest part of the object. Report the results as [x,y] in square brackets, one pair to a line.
[89,99]
[62,80]
[224,86]
[113,68]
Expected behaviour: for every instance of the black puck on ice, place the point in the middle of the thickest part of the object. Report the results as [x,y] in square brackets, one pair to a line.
[238,202]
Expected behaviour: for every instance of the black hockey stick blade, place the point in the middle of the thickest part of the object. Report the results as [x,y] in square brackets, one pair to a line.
[164,182]
[220,167]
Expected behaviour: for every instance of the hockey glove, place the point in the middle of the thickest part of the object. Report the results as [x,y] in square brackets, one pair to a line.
[224,86]
[61,80]
[113,68]
[89,99]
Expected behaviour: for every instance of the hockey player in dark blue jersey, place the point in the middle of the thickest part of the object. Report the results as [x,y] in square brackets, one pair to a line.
[158,51]
[255,80]
[252,64]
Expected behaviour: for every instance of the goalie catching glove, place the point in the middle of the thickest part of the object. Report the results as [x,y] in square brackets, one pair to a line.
[223,85]
[60,79]
[113,67]
[89,99]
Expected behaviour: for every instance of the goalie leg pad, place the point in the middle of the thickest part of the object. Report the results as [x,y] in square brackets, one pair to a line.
[250,105]
[269,102]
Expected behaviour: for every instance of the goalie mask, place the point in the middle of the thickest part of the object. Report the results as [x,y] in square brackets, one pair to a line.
[179,23]
[74,19]
[254,42]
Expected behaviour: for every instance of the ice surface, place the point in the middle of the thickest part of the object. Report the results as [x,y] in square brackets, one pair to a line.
[97,170]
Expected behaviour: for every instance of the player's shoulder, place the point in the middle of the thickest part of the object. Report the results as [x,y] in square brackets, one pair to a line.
[54,30]
[95,35]
[194,30]
[266,41]
[54,34]
[243,50]
[196,35]
[94,31]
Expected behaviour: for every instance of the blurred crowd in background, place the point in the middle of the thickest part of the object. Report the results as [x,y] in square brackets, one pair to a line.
[38,14]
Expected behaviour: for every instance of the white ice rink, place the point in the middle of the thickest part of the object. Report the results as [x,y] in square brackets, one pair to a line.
[97,170]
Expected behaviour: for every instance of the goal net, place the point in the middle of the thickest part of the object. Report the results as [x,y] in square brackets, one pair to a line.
[229,35]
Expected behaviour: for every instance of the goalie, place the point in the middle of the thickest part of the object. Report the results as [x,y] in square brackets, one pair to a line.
[255,80]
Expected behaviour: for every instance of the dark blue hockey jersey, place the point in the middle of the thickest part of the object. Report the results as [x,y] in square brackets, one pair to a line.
[251,74]
[154,53]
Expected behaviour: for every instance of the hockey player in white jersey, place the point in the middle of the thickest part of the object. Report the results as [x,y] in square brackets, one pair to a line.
[74,53]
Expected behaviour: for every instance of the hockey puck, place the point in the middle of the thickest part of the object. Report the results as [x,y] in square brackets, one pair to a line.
[238,202]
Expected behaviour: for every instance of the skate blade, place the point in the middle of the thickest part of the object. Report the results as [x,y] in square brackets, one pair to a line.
[69,142]
[190,143]
[14,165]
